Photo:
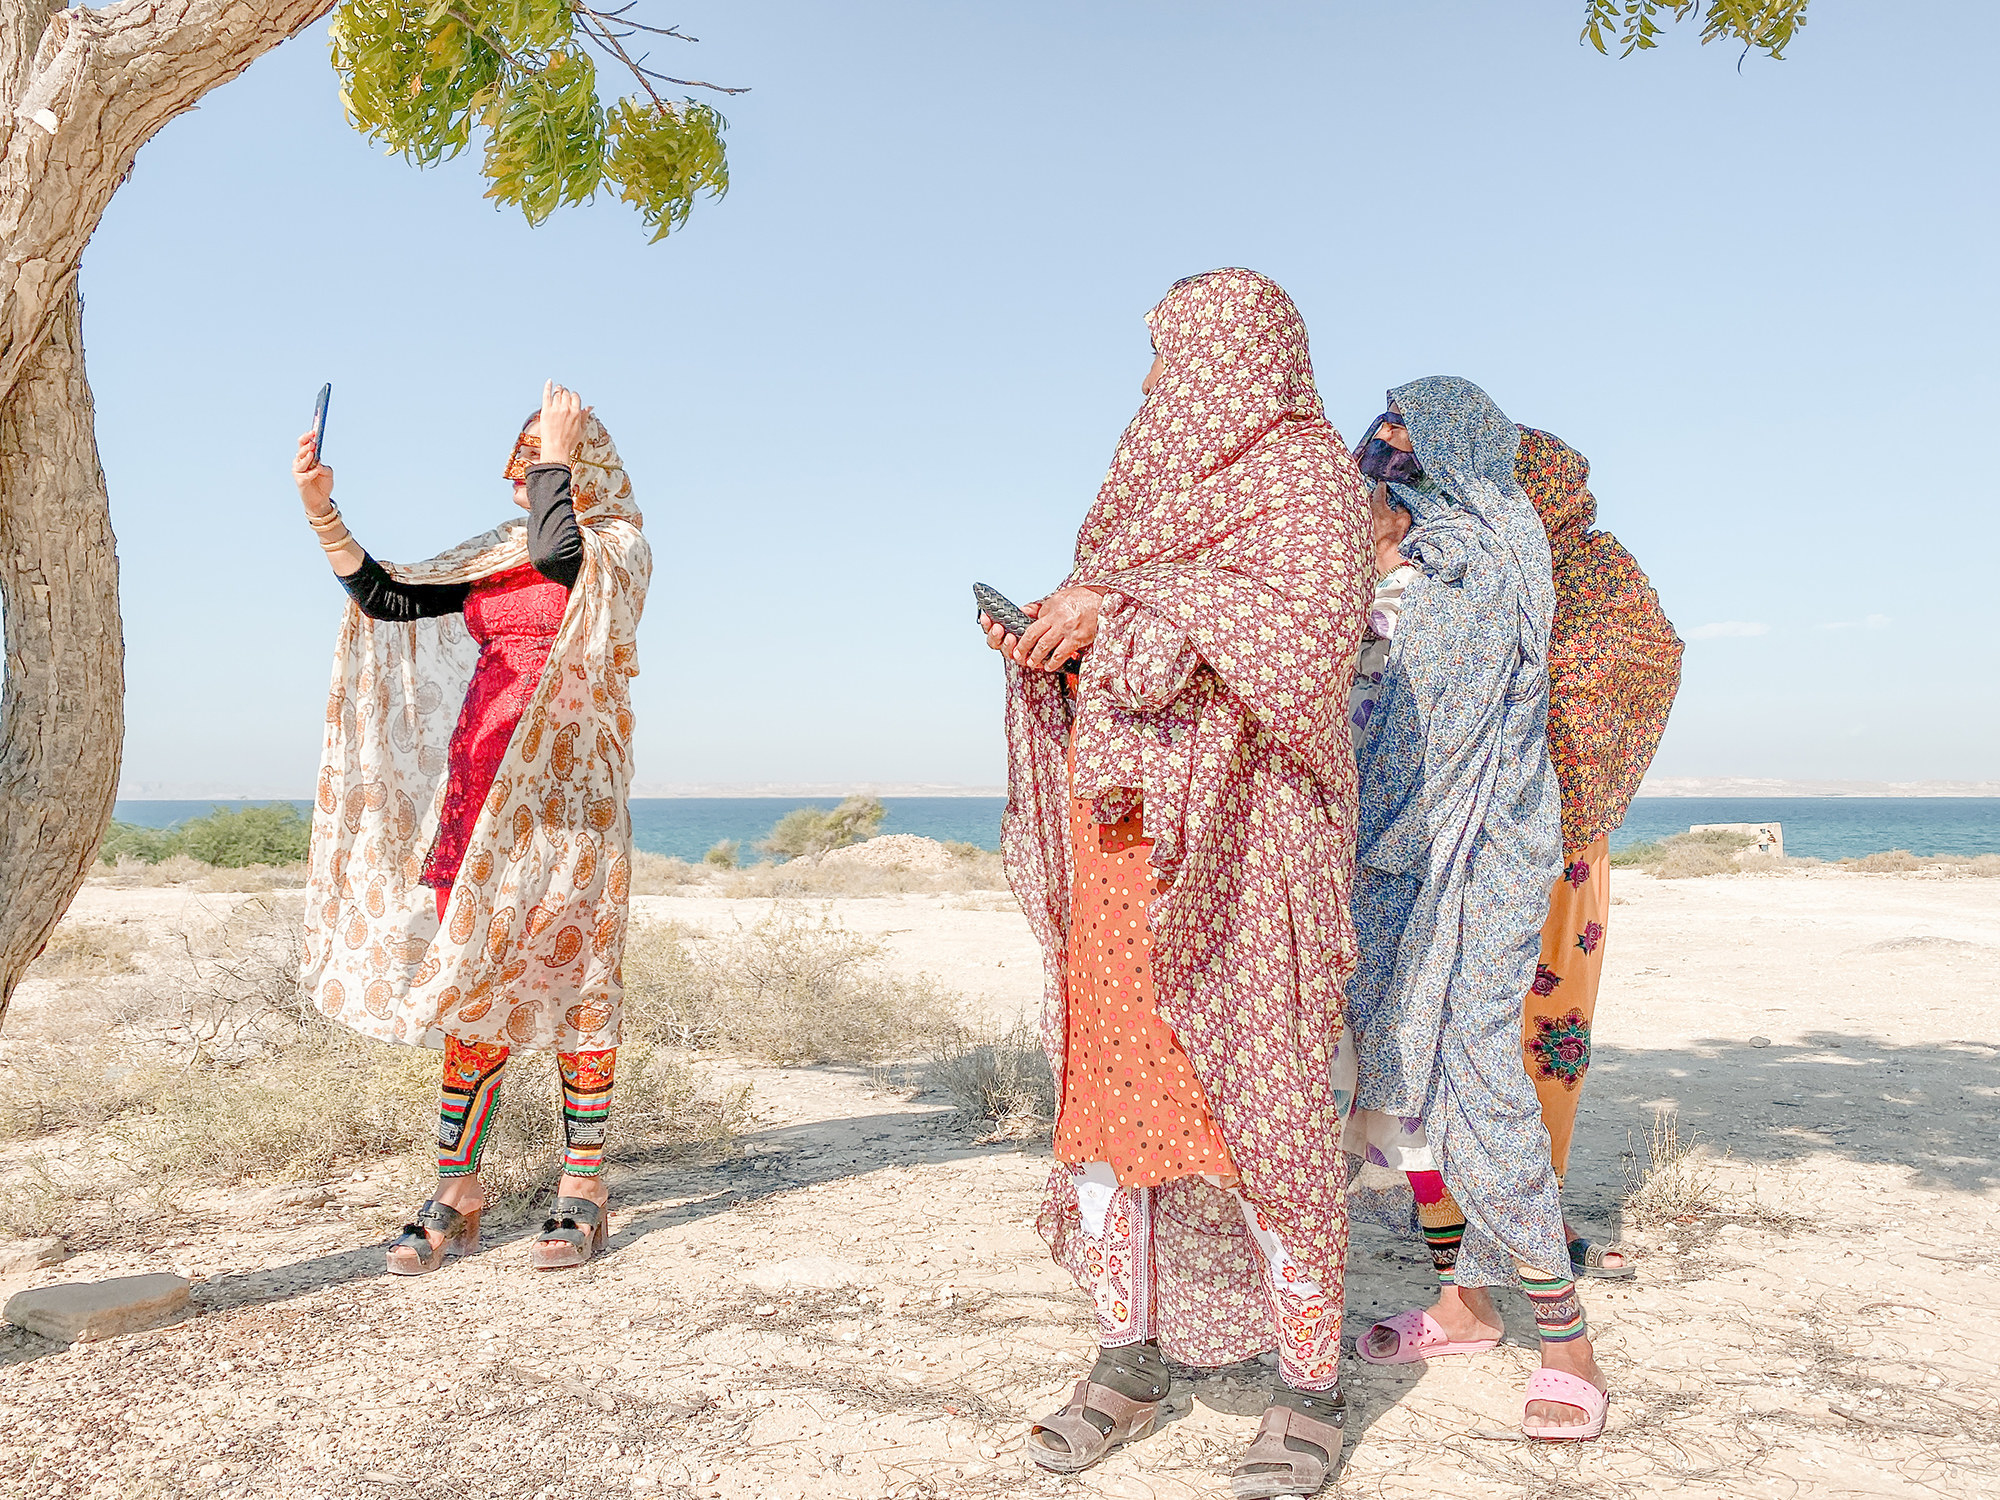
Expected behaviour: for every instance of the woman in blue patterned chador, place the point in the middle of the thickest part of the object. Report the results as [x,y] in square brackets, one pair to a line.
[1460,845]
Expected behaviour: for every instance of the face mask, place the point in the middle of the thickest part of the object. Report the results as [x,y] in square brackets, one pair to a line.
[527,450]
[1379,461]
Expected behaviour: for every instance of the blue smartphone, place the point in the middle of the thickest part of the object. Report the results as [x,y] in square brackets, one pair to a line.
[319,422]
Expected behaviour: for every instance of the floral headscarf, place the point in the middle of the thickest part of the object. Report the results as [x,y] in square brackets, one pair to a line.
[530,952]
[1614,660]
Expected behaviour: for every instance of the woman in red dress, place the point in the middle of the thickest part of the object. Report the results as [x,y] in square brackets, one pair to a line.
[379,953]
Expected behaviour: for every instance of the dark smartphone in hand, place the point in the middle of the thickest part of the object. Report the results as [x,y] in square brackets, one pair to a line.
[1008,615]
[319,422]
[1001,610]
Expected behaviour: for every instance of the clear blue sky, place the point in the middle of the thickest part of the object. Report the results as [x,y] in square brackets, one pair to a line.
[898,355]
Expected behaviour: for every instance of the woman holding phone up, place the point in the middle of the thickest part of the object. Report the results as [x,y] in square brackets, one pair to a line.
[471,847]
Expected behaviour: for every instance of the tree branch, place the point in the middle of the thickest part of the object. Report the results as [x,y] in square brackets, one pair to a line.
[598,25]
[102,83]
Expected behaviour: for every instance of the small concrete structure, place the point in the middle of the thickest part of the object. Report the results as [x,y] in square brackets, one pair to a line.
[1770,837]
[76,1312]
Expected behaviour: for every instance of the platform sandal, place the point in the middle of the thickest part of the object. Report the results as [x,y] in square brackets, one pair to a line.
[578,1228]
[413,1253]
[1296,1449]
[1096,1420]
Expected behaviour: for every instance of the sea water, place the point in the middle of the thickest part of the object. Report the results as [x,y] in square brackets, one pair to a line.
[1823,827]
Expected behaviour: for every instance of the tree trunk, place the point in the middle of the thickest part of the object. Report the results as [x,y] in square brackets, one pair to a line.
[62,725]
[80,92]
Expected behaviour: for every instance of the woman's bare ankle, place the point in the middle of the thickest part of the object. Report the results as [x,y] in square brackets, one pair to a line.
[595,1189]
[465,1193]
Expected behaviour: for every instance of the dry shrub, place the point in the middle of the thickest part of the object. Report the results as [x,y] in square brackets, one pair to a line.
[790,989]
[1750,860]
[222,1073]
[87,948]
[183,869]
[1886,862]
[971,869]
[662,874]
[1986,865]
[1684,861]
[1001,1078]
[1677,1182]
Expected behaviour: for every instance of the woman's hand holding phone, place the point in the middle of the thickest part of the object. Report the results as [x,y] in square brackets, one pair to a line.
[314,479]
[1064,624]
[998,637]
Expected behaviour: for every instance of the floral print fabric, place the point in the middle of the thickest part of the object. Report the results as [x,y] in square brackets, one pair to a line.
[1231,535]
[1562,1001]
[529,950]
[1129,1093]
[1460,832]
[1614,660]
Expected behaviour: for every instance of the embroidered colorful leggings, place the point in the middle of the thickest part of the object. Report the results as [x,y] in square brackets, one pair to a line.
[1558,1310]
[471,1093]
[1118,1249]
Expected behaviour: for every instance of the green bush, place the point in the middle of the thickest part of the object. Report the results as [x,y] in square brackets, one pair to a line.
[130,841]
[815,830]
[276,835]
[724,854]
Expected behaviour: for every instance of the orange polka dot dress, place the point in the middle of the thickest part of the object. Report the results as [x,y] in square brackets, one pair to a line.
[1129,1094]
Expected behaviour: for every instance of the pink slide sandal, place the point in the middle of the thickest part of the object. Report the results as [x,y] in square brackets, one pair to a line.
[1418,1337]
[1568,1390]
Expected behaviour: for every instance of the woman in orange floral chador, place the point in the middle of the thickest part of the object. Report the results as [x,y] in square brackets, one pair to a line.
[471,849]
[1180,833]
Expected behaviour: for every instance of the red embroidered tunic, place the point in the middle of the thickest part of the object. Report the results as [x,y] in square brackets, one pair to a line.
[514,616]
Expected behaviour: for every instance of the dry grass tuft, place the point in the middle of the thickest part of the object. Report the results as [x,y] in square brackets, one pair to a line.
[789,989]
[1001,1078]
[1678,1181]
[87,949]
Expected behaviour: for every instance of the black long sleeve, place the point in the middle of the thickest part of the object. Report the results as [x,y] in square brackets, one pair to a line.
[555,546]
[382,598]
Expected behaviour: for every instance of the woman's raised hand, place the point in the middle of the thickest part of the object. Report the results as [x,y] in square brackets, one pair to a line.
[314,479]
[561,429]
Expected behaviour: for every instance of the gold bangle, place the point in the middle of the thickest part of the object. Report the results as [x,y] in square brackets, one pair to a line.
[346,539]
[325,522]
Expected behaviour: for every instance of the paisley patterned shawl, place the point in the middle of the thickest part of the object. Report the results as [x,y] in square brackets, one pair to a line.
[530,953]
[1460,828]
[1614,660]
[1231,536]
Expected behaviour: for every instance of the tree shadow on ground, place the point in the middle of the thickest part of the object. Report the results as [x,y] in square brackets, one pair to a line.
[1929,1107]
[650,1196]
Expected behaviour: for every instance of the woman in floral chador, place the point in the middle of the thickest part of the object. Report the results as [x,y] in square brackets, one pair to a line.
[1614,667]
[1179,831]
[1460,848]
[471,849]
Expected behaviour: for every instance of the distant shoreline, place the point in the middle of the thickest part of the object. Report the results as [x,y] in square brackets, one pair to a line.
[1665,786]
[1753,786]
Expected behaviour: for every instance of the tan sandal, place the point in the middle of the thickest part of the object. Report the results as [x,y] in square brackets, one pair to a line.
[1294,1451]
[577,1228]
[412,1252]
[1096,1420]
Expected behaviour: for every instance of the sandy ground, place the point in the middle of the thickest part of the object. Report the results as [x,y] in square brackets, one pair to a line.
[857,1304]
